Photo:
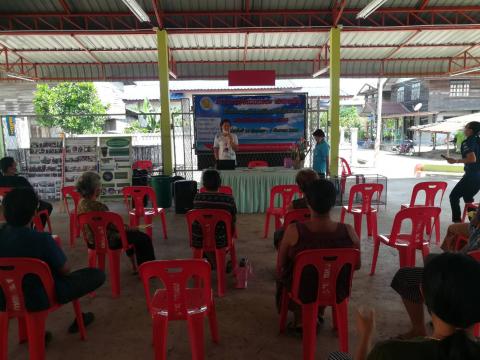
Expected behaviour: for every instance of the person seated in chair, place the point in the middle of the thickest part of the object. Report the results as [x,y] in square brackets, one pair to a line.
[18,239]
[320,232]
[303,178]
[89,187]
[10,178]
[212,199]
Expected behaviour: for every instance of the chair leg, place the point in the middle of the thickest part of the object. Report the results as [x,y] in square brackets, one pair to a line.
[149,230]
[369,224]
[164,225]
[22,330]
[283,311]
[425,251]
[196,335]
[114,265]
[357,222]
[3,336]
[212,321]
[79,317]
[267,225]
[233,258]
[464,215]
[36,334]
[73,231]
[220,256]
[309,323]
[437,230]
[278,222]
[476,330]
[342,215]
[376,248]
[342,325]
[160,332]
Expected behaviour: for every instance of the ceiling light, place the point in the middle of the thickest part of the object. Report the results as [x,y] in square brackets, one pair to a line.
[370,8]
[466,71]
[320,72]
[137,10]
[19,76]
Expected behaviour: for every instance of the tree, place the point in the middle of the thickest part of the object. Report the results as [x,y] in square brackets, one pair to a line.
[73,107]
[349,118]
[152,120]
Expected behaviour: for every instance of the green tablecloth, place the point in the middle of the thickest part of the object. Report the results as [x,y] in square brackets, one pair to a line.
[251,187]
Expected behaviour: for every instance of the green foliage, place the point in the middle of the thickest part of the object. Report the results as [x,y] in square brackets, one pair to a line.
[152,120]
[70,106]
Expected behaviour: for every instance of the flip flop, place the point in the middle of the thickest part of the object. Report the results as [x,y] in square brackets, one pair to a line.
[88,318]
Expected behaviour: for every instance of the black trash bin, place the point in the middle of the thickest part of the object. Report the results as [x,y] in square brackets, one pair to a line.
[185,191]
[162,185]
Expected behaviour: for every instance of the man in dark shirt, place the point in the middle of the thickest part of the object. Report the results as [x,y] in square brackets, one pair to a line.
[18,239]
[9,178]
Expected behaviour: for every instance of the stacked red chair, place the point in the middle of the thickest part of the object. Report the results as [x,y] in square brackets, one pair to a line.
[98,221]
[418,219]
[178,301]
[368,193]
[286,193]
[328,264]
[38,225]
[31,325]
[208,220]
[257,163]
[72,193]
[431,189]
[143,165]
[139,211]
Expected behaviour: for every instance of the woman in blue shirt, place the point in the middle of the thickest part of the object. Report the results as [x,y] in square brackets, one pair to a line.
[321,153]
[469,185]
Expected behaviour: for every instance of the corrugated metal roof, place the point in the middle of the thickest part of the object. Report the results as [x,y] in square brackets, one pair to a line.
[30,6]
[260,40]
[365,53]
[126,56]
[289,4]
[209,55]
[290,54]
[119,42]
[426,37]
[374,37]
[20,42]
[430,52]
[199,5]
[206,40]
[58,57]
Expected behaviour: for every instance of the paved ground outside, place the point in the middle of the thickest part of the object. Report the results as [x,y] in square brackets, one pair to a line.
[247,319]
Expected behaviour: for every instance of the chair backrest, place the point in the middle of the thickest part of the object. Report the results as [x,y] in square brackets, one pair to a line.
[346,171]
[98,222]
[37,221]
[138,193]
[367,192]
[328,264]
[175,276]
[421,219]
[143,165]
[257,163]
[475,254]
[287,192]
[71,191]
[12,272]
[431,188]
[208,220]
[4,190]
[224,189]
[298,215]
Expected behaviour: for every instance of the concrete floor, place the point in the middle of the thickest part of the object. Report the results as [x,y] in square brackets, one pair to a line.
[247,319]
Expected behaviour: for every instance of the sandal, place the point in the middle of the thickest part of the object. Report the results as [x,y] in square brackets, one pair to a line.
[88,318]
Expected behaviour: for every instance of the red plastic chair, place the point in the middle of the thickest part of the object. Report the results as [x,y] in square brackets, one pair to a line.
[38,225]
[98,222]
[257,163]
[139,211]
[4,190]
[71,192]
[177,301]
[467,208]
[286,192]
[346,172]
[143,165]
[328,264]
[208,220]
[367,192]
[421,218]
[31,325]
[460,242]
[224,189]
[431,189]
[297,215]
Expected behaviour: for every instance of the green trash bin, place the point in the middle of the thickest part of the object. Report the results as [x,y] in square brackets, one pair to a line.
[162,185]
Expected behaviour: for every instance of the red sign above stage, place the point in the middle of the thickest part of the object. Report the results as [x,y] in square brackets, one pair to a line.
[251,78]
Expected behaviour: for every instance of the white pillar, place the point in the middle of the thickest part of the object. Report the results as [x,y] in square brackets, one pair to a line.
[354,141]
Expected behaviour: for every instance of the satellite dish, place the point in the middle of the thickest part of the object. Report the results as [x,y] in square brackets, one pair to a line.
[417,107]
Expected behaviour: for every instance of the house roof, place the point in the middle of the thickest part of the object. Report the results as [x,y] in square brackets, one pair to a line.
[389,108]
[56,40]
[448,126]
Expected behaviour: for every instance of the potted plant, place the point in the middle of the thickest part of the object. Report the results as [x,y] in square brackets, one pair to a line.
[299,152]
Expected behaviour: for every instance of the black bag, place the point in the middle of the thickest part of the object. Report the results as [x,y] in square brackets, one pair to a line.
[185,191]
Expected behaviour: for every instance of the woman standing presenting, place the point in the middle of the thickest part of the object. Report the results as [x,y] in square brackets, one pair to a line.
[469,185]
[225,144]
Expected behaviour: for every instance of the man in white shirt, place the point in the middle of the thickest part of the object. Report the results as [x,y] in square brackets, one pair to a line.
[225,144]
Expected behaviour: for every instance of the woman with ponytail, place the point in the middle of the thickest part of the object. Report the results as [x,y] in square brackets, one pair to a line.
[450,291]
[469,185]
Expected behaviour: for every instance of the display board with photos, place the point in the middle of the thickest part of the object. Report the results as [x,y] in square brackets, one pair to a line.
[45,167]
[80,156]
[115,164]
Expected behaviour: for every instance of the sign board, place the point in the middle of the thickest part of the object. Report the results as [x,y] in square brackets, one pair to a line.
[269,119]
[80,156]
[10,125]
[115,164]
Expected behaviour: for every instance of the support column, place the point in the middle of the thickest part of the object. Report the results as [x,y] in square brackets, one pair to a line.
[3,151]
[378,136]
[334,99]
[163,77]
